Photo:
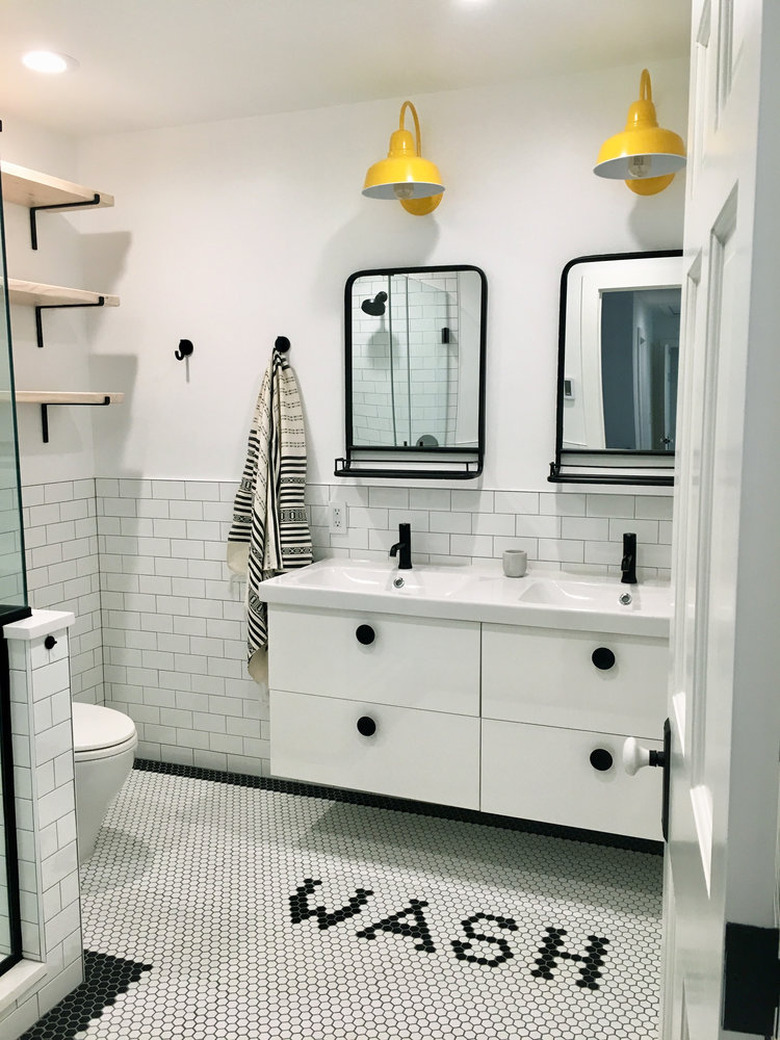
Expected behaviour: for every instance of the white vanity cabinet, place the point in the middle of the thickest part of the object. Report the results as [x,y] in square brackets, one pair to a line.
[376,702]
[465,688]
[556,709]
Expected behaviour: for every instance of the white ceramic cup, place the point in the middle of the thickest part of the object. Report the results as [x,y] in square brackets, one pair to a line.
[515,562]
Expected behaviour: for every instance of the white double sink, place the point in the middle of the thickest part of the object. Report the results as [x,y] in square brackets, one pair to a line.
[479,592]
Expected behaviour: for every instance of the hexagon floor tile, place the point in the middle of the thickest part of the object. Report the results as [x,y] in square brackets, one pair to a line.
[266,915]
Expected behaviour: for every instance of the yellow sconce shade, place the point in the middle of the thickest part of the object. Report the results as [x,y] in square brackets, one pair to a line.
[643,155]
[404,175]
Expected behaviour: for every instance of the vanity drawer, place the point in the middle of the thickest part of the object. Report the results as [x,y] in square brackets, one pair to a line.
[382,658]
[425,755]
[540,773]
[580,680]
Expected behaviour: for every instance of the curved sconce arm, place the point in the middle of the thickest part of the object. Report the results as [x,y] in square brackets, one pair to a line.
[405,176]
[417,135]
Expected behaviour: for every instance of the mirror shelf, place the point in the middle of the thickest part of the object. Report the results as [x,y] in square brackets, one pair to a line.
[415,373]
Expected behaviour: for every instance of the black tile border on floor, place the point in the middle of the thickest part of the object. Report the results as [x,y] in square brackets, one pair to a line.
[105,977]
[407,805]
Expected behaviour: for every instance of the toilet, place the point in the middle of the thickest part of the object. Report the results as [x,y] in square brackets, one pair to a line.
[104,743]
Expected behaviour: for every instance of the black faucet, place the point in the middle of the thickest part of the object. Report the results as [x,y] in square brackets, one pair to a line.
[628,564]
[403,547]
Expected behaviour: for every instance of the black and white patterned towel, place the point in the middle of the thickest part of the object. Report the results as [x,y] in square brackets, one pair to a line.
[270,529]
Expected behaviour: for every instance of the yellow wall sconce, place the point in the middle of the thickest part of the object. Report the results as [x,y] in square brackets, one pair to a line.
[643,155]
[404,175]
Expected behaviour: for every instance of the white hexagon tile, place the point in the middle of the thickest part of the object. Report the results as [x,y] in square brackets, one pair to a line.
[220,911]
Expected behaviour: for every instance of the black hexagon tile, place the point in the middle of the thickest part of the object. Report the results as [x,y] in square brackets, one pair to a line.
[105,978]
[272,912]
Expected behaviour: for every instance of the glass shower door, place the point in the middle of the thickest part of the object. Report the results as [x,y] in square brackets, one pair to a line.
[13,606]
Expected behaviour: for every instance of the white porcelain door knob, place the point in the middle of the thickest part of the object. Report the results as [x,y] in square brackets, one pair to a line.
[634,756]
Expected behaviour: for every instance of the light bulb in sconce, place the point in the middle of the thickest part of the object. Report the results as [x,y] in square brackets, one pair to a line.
[643,155]
[640,166]
[404,176]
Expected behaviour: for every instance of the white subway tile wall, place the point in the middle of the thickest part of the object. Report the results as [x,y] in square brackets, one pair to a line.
[171,641]
[173,625]
[11,583]
[577,531]
[46,825]
[61,548]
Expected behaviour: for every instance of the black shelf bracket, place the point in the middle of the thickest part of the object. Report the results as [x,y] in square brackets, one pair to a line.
[34,210]
[71,404]
[39,308]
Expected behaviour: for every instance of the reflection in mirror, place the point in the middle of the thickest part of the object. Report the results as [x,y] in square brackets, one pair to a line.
[415,351]
[617,369]
[639,386]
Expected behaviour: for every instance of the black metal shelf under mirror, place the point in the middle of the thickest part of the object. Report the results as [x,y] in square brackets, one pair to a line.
[618,353]
[414,376]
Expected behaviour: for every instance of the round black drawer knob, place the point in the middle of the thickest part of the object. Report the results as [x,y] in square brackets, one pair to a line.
[50,642]
[603,658]
[366,726]
[601,759]
[365,634]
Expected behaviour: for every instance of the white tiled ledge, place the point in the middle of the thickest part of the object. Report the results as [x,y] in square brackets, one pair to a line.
[19,980]
[40,624]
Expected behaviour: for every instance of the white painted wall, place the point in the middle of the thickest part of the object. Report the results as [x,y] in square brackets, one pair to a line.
[232,233]
[64,363]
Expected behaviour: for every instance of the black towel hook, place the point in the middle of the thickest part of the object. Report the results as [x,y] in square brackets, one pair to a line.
[185,349]
[282,344]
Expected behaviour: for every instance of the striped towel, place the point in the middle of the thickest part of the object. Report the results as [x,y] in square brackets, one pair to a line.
[270,530]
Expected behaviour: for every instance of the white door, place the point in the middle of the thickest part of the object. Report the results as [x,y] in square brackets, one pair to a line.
[724,705]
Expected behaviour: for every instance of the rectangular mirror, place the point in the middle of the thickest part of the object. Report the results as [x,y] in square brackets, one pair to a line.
[618,354]
[415,372]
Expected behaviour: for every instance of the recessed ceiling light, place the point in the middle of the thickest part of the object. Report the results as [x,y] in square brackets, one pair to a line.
[49,62]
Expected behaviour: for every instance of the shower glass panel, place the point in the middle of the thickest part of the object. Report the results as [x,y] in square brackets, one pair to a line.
[13,606]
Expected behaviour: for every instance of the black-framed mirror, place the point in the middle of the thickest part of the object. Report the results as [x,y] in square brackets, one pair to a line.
[415,372]
[618,354]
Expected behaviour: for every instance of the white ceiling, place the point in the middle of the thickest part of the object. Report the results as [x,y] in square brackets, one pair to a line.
[152,63]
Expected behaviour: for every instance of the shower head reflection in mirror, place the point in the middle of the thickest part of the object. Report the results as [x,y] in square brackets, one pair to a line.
[375,306]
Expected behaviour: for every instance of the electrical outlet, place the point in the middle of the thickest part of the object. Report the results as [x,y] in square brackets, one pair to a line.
[338,517]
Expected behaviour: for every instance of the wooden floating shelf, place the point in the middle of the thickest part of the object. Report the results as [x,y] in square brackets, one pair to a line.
[68,397]
[46,398]
[35,294]
[32,189]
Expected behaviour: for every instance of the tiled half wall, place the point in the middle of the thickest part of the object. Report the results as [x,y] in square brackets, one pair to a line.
[167,644]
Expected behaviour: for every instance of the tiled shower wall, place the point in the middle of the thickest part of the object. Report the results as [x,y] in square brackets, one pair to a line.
[172,649]
[46,824]
[388,406]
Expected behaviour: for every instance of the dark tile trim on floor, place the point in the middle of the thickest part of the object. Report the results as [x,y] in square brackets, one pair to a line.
[448,812]
[105,977]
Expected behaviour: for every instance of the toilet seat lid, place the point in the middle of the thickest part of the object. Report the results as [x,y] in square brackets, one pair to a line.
[95,727]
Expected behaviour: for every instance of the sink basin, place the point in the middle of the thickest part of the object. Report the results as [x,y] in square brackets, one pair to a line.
[592,595]
[580,595]
[360,577]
